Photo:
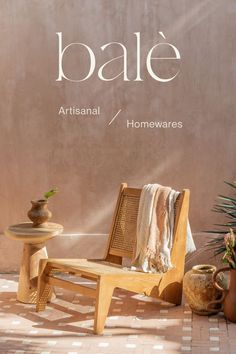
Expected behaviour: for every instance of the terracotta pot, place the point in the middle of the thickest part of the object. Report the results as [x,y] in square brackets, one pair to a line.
[39,213]
[199,290]
[229,295]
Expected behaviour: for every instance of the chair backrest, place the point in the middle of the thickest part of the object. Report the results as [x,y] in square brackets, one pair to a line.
[122,238]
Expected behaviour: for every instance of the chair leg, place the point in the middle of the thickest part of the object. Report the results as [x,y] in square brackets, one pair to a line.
[104,296]
[44,290]
[178,297]
[173,293]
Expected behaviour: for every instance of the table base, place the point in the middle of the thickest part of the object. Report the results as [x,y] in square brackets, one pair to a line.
[27,287]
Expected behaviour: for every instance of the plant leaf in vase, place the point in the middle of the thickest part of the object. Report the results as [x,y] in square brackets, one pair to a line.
[50,193]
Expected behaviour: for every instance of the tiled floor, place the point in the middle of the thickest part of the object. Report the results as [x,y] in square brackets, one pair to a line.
[136,324]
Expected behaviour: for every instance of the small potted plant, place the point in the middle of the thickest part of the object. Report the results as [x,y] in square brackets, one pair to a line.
[39,213]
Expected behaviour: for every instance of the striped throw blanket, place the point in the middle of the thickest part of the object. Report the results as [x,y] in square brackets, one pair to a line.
[155,228]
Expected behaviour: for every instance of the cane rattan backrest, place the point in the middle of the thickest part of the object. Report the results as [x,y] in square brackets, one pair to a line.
[123,235]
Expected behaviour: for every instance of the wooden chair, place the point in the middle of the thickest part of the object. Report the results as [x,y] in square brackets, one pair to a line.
[108,273]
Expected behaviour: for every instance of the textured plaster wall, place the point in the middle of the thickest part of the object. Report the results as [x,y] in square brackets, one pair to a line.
[86,158]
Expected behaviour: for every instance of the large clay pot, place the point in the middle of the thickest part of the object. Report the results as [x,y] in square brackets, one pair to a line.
[199,289]
[39,213]
[229,295]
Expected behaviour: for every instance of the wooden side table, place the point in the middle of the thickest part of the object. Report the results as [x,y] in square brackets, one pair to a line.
[34,239]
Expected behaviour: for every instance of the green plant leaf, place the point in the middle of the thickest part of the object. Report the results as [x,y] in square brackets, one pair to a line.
[227,224]
[223,197]
[226,206]
[50,193]
[231,184]
[216,232]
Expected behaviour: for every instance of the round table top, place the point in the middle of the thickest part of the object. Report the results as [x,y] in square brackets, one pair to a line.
[27,233]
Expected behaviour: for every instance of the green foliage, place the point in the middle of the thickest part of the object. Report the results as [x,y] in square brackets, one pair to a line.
[50,193]
[226,206]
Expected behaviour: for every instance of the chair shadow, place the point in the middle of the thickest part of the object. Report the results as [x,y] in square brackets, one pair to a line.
[63,318]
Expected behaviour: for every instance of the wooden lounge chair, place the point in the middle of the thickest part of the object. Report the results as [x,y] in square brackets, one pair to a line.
[109,273]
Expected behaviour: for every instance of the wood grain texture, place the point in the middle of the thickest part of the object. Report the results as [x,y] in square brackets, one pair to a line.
[33,251]
[27,233]
[110,274]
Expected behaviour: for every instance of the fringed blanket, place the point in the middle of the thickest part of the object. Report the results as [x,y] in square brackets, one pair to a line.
[155,228]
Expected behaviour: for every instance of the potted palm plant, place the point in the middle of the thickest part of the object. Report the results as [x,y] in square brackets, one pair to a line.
[226,206]
[225,243]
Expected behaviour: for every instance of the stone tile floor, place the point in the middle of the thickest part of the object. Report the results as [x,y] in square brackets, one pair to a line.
[136,324]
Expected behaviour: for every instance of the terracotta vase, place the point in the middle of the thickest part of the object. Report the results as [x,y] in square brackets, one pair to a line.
[39,213]
[199,290]
[229,295]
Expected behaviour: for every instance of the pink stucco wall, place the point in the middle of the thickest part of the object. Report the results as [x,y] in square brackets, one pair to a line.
[85,157]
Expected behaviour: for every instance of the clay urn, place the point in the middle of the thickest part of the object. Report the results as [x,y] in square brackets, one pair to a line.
[229,293]
[199,289]
[39,213]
